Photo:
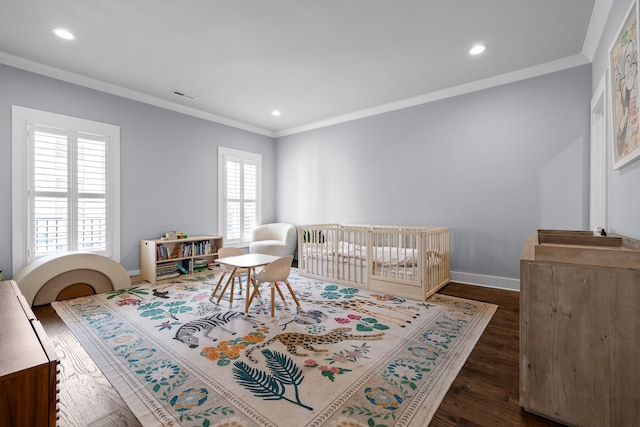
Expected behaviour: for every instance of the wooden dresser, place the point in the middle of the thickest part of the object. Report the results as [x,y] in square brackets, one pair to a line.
[28,364]
[580,328]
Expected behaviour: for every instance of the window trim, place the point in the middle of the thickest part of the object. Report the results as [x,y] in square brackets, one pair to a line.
[223,153]
[21,117]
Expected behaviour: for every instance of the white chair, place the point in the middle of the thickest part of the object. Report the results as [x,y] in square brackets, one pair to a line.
[277,271]
[278,239]
[224,253]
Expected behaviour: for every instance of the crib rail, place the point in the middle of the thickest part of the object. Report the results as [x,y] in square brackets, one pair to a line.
[409,261]
[402,260]
[333,252]
[395,254]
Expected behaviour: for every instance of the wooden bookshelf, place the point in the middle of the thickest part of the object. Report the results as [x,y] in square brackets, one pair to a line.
[162,260]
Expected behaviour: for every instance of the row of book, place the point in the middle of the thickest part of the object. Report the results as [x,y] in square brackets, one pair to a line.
[200,265]
[167,271]
[204,247]
[182,250]
[170,270]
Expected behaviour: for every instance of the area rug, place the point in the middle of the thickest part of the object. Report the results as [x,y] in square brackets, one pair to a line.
[349,358]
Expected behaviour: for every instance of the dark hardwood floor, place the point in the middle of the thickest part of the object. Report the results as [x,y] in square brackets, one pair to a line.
[485,392]
[86,398]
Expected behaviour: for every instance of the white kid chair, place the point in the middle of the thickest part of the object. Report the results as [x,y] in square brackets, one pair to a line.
[277,271]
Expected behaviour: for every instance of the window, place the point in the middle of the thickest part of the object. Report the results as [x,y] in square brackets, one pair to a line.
[65,186]
[239,195]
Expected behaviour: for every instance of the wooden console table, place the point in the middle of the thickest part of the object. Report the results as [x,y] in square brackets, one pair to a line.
[28,364]
[580,328]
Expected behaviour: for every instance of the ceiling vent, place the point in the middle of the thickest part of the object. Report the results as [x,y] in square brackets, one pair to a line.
[182,94]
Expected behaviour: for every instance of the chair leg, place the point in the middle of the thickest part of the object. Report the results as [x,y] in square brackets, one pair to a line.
[233,288]
[213,294]
[292,293]
[280,292]
[257,290]
[239,285]
[273,298]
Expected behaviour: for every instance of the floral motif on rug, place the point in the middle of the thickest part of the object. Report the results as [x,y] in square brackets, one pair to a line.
[350,357]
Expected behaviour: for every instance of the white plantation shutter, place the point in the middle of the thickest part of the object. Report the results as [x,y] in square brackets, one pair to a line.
[239,194]
[233,199]
[69,191]
[249,198]
[50,190]
[92,193]
[71,186]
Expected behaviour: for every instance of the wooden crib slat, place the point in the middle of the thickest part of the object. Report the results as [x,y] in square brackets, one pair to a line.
[415,261]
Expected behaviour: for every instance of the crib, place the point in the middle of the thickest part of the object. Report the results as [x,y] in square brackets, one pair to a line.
[406,261]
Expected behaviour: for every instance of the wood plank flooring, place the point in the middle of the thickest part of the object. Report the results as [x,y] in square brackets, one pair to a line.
[485,392]
[86,398]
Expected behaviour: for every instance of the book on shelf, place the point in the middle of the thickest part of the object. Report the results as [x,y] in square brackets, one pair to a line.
[177,250]
[166,269]
[181,268]
[185,250]
[161,252]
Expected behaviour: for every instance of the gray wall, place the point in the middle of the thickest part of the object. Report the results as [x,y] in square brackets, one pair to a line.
[493,165]
[168,160]
[623,185]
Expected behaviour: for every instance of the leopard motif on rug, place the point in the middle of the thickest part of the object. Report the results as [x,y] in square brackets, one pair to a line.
[294,339]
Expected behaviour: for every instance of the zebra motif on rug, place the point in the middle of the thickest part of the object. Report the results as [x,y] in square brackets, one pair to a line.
[186,332]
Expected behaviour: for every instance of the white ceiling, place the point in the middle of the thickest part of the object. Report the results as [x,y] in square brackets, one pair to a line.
[317,62]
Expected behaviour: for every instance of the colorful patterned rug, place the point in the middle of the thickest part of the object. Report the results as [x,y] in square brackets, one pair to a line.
[350,358]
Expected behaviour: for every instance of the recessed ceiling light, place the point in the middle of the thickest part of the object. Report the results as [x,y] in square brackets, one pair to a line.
[477,49]
[275,113]
[63,34]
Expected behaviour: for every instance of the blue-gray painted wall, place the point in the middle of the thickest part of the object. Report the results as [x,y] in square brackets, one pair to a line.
[169,169]
[493,165]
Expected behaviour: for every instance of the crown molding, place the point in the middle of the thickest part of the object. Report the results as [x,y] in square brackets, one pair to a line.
[599,15]
[499,80]
[69,77]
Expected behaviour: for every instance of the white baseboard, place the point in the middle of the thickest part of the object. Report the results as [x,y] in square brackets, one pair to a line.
[488,281]
[133,272]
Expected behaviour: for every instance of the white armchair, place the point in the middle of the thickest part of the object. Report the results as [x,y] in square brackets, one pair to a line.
[279,239]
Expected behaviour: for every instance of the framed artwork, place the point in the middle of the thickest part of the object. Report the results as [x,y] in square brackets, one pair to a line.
[623,62]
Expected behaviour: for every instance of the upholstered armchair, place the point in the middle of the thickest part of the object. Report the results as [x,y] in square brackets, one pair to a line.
[279,239]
